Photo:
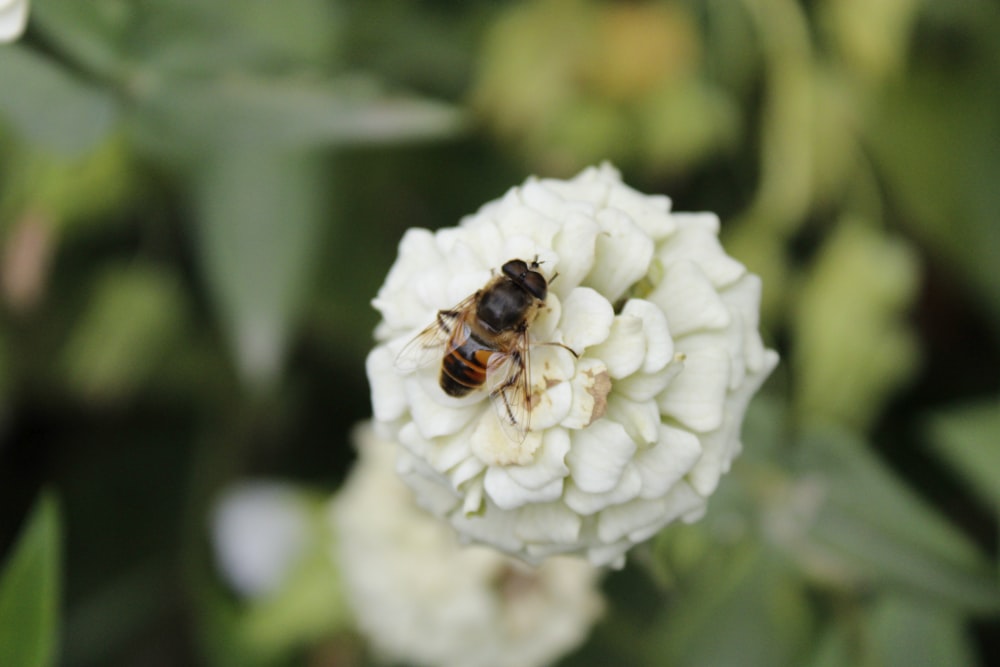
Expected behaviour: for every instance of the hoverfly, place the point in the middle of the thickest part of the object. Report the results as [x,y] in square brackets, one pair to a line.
[484,341]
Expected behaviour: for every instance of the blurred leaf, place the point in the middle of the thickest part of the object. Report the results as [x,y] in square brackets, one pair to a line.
[286,114]
[853,346]
[310,605]
[260,216]
[48,107]
[684,124]
[115,37]
[117,613]
[752,611]
[966,437]
[29,591]
[879,530]
[906,632]
[935,139]
[132,317]
[872,37]
[70,190]
[785,191]
[833,649]
[92,33]
[194,38]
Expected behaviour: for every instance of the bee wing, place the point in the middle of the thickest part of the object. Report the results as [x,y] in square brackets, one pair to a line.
[447,332]
[508,377]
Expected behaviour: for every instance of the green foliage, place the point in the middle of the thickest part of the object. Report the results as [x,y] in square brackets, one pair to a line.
[198,200]
[131,322]
[308,608]
[871,530]
[853,346]
[965,437]
[53,110]
[911,633]
[259,218]
[30,591]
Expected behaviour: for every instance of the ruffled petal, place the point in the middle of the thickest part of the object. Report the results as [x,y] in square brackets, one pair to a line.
[598,456]
[586,319]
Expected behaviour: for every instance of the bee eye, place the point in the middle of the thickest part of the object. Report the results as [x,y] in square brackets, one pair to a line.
[535,283]
[515,269]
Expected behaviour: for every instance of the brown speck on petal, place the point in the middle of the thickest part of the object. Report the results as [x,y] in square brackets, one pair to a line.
[600,389]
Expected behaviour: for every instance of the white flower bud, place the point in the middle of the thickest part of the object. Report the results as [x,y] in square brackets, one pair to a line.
[259,533]
[643,359]
[423,599]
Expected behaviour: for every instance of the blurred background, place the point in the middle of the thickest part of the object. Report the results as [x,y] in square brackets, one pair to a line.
[199,199]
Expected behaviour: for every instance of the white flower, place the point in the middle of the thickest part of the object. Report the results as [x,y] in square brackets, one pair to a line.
[631,434]
[13,19]
[421,598]
[259,532]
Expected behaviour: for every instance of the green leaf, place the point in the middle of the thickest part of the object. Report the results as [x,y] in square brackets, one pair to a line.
[752,611]
[881,534]
[92,33]
[287,114]
[834,649]
[192,37]
[29,591]
[260,213]
[46,106]
[966,438]
[134,315]
[853,346]
[906,632]
[934,139]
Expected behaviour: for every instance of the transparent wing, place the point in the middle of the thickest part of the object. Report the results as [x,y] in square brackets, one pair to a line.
[508,377]
[447,332]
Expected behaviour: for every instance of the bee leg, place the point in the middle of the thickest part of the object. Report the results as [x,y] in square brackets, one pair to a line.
[565,347]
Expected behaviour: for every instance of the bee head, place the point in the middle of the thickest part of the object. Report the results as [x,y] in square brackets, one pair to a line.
[524,275]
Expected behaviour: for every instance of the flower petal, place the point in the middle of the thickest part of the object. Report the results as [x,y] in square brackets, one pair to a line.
[624,350]
[689,300]
[665,463]
[722,444]
[591,387]
[586,319]
[697,240]
[650,213]
[659,342]
[622,255]
[388,395]
[644,386]
[695,396]
[587,503]
[433,418]
[640,419]
[551,406]
[548,522]
[618,521]
[492,446]
[508,494]
[575,245]
[598,456]
[549,462]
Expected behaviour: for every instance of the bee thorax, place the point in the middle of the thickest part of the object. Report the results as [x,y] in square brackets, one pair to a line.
[504,307]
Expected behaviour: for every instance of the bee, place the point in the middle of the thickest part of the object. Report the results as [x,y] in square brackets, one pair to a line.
[483,341]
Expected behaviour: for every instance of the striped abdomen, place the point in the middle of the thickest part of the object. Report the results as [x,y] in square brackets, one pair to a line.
[464,368]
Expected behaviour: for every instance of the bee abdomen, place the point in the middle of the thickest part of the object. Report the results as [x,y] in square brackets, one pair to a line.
[463,370]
